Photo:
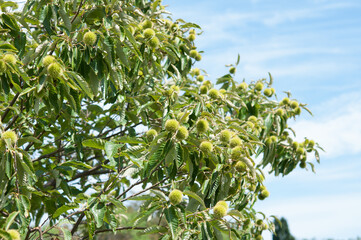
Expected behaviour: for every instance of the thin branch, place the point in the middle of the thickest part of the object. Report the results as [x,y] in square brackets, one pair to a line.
[40,135]
[79,175]
[10,105]
[146,189]
[76,225]
[120,229]
[9,125]
[140,181]
[78,11]
[5,214]
[69,216]
[117,229]
[28,233]
[48,155]
[40,233]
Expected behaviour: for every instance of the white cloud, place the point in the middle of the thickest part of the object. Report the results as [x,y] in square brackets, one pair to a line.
[339,129]
[325,204]
[328,216]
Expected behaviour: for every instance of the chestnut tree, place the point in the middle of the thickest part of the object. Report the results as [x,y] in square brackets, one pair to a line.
[102,105]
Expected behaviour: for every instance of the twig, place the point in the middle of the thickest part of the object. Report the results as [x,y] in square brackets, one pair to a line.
[10,105]
[48,155]
[41,134]
[117,229]
[77,12]
[28,233]
[140,181]
[70,215]
[76,225]
[144,190]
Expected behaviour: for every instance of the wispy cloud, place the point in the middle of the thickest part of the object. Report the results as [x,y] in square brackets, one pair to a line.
[325,204]
[338,130]
[328,216]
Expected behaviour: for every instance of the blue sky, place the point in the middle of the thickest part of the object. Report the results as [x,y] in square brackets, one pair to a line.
[313,49]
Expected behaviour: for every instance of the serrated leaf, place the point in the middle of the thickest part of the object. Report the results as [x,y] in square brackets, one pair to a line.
[132,140]
[145,214]
[195,196]
[172,219]
[10,219]
[236,213]
[65,17]
[155,229]
[171,155]
[84,86]
[90,224]
[66,234]
[160,194]
[98,212]
[76,164]
[117,203]
[220,226]
[94,143]
[111,149]
[8,47]
[64,209]
[5,235]
[121,54]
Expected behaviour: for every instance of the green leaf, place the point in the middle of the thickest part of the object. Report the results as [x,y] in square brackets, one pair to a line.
[172,219]
[10,21]
[117,203]
[8,47]
[219,225]
[10,219]
[121,54]
[98,212]
[236,213]
[160,194]
[111,149]
[171,155]
[24,140]
[65,17]
[82,83]
[76,164]
[63,209]
[270,79]
[93,81]
[131,140]
[66,233]
[5,235]
[195,196]
[156,157]
[90,224]
[95,15]
[94,143]
[155,229]
[145,214]
[134,46]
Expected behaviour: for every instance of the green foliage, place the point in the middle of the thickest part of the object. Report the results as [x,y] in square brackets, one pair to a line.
[97,112]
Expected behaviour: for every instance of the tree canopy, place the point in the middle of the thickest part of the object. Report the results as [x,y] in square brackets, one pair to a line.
[102,105]
[282,231]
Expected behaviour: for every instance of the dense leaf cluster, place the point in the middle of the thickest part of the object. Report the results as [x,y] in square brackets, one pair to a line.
[100,107]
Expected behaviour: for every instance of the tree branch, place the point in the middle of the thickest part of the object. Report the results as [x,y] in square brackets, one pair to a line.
[41,134]
[144,190]
[117,229]
[78,11]
[10,105]
[76,225]
[49,154]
